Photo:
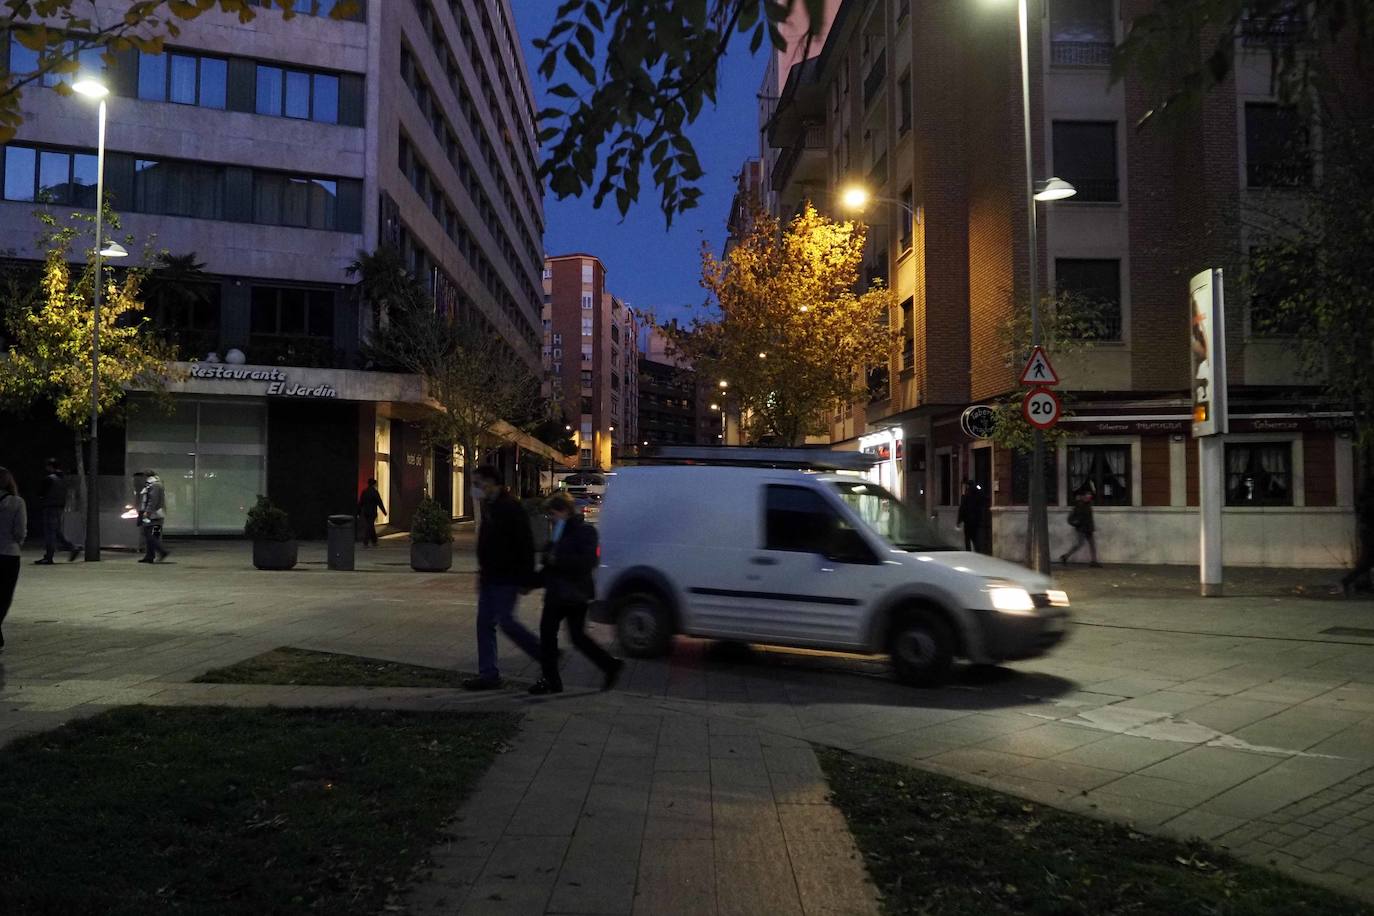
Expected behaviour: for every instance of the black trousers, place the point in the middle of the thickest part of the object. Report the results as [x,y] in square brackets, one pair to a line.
[52,533]
[972,537]
[9,576]
[152,534]
[369,531]
[550,621]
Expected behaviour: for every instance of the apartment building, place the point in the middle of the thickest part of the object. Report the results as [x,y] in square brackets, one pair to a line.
[591,354]
[676,405]
[920,103]
[276,151]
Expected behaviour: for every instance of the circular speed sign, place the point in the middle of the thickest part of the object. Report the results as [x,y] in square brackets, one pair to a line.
[1041,408]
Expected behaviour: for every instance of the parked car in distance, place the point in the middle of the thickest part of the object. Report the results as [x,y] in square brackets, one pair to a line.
[793,557]
[584,484]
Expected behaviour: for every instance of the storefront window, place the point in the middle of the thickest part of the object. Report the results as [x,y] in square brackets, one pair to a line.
[1103,470]
[383,467]
[1259,474]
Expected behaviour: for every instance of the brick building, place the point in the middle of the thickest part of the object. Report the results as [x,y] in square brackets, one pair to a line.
[591,354]
[920,102]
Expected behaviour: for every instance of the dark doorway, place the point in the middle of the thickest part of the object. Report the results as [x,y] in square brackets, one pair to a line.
[982,477]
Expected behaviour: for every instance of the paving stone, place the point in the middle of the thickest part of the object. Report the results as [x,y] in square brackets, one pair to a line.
[518,878]
[676,878]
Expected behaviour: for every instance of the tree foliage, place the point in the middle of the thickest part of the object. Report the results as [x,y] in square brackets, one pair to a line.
[60,31]
[638,73]
[469,370]
[49,329]
[787,329]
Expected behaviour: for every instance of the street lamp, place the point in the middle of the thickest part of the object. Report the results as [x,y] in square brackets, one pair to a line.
[857,197]
[92,88]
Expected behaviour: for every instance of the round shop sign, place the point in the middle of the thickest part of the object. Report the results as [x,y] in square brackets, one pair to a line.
[1041,408]
[978,421]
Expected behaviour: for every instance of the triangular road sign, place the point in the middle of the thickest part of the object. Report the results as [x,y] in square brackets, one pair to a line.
[1038,370]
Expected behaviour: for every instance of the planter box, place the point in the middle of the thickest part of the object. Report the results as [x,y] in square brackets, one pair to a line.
[431,557]
[274,554]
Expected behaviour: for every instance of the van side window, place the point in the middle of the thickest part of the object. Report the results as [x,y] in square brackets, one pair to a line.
[798,518]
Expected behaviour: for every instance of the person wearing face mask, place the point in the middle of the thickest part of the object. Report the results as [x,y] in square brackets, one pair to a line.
[569,562]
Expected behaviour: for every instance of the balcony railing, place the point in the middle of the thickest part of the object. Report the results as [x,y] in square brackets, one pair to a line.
[877,176]
[310,352]
[874,81]
[810,137]
[1283,29]
[1081,53]
[1093,190]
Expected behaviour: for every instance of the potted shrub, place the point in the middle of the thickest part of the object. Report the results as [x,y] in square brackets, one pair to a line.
[431,538]
[274,544]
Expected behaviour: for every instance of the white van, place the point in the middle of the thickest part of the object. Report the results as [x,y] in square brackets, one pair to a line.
[794,557]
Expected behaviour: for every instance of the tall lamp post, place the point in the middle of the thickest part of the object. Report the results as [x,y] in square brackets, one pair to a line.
[93,88]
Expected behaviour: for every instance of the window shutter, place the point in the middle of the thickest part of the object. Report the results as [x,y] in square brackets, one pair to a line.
[238,194]
[243,85]
[349,211]
[351,99]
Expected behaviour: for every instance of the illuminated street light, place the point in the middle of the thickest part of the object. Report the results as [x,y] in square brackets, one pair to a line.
[724,383]
[855,197]
[1055,189]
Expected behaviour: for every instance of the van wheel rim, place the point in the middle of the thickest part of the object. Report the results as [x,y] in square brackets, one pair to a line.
[637,627]
[915,648]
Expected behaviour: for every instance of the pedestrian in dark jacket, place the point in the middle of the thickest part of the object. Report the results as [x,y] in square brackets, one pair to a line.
[971,515]
[569,563]
[369,506]
[505,569]
[53,501]
[14,520]
[1081,520]
[152,512]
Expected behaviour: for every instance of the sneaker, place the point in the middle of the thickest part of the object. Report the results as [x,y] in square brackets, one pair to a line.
[46,561]
[1064,559]
[542,687]
[145,559]
[482,683]
[75,552]
[613,674]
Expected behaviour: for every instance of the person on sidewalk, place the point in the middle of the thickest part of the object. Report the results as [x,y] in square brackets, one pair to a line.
[971,515]
[1081,520]
[14,522]
[1359,577]
[369,505]
[505,570]
[53,502]
[152,511]
[566,575]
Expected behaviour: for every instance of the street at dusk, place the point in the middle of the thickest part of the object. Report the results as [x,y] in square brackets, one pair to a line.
[686,457]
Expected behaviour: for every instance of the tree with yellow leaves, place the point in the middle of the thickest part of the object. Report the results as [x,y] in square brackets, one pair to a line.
[47,327]
[787,328]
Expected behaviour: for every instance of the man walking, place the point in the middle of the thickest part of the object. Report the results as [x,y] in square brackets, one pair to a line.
[152,511]
[505,568]
[369,504]
[1081,520]
[971,515]
[54,504]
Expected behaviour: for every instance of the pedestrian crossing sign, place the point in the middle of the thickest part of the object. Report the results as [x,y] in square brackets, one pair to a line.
[1038,370]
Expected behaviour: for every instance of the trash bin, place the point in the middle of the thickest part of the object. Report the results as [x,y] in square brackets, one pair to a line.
[340,534]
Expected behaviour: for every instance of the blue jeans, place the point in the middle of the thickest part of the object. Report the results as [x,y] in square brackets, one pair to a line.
[496,607]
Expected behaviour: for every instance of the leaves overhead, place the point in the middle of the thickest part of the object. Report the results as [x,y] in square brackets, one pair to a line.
[59,31]
[636,76]
[789,330]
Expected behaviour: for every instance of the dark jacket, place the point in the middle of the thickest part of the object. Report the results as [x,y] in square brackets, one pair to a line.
[370,503]
[505,543]
[971,509]
[568,565]
[54,491]
[1081,516]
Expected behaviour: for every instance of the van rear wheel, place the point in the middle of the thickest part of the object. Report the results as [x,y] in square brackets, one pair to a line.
[922,649]
[644,626]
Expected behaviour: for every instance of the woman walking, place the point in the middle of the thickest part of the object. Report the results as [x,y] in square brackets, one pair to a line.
[566,576]
[14,527]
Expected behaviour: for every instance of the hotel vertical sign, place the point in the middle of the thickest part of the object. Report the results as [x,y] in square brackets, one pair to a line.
[1208,342]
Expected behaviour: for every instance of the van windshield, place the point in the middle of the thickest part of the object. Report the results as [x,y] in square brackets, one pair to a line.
[882,511]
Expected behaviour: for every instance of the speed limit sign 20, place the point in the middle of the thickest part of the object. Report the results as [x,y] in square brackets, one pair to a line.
[1041,408]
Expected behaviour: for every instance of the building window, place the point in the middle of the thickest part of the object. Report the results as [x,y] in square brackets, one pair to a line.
[1090,290]
[1102,470]
[1259,474]
[586,327]
[1276,147]
[186,79]
[1085,156]
[587,270]
[323,8]
[908,208]
[178,189]
[297,94]
[1273,280]
[1082,33]
[291,326]
[291,200]
[905,101]
[23,60]
[586,354]
[49,176]
[587,301]
[908,333]
[1021,477]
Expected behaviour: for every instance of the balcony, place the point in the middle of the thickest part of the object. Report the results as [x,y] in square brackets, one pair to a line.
[807,146]
[876,74]
[1081,53]
[1282,29]
[877,176]
[308,352]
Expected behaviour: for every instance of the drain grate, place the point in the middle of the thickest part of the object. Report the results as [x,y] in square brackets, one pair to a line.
[1349,631]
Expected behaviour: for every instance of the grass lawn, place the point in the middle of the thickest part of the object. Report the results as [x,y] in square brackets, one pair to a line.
[941,847]
[328,669]
[211,810]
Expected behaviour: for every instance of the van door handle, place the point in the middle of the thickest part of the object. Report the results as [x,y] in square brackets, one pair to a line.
[763,561]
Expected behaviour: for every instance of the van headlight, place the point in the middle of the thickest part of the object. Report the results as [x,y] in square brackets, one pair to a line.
[1057,598]
[1011,599]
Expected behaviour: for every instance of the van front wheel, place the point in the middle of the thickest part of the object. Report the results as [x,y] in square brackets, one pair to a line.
[922,649]
[644,626]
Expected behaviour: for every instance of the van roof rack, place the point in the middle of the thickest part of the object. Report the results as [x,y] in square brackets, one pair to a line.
[808,459]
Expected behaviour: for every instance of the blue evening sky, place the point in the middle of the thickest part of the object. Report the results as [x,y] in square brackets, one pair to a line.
[649,266]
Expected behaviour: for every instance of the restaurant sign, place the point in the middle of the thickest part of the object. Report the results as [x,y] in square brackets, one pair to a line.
[278,382]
